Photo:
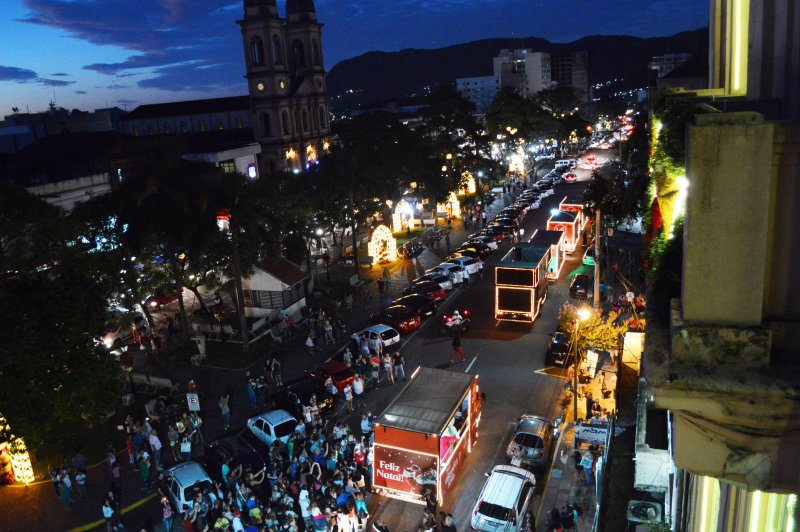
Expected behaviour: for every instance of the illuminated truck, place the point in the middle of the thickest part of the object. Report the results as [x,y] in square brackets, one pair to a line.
[423,436]
[520,280]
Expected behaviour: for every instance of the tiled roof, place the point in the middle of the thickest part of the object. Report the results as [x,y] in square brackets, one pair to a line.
[189,107]
[286,271]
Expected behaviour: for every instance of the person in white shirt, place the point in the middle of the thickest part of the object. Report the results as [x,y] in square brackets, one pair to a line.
[358,391]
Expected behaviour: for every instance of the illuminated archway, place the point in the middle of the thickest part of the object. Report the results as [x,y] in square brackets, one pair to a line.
[451,206]
[382,246]
[14,453]
[403,216]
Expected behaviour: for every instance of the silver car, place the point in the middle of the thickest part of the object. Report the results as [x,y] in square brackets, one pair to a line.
[532,442]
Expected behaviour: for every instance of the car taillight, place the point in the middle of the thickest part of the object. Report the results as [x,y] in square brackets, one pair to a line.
[477,506]
[466,313]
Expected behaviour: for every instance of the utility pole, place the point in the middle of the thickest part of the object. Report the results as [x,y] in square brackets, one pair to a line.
[597,248]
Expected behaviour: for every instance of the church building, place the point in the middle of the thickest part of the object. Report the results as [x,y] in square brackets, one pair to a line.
[286,83]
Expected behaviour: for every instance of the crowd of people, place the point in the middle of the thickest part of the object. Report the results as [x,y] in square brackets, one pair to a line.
[316,481]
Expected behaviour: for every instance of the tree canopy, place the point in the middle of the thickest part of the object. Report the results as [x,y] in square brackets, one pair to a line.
[56,379]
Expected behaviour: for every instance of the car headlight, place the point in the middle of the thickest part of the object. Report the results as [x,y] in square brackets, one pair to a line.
[108,342]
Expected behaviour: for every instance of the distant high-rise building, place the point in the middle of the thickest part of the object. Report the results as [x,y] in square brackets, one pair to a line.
[480,91]
[523,70]
[286,82]
[571,69]
[664,64]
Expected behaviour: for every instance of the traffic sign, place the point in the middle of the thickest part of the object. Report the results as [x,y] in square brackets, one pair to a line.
[193,400]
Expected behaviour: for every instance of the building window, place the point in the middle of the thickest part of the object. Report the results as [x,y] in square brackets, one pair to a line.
[220,124]
[184,127]
[277,50]
[150,129]
[238,122]
[305,120]
[285,122]
[298,53]
[322,121]
[135,131]
[316,56]
[297,124]
[201,125]
[166,129]
[266,127]
[229,166]
[257,50]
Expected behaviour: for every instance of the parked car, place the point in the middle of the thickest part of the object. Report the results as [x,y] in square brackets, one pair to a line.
[468,263]
[442,279]
[335,369]
[582,286]
[504,500]
[123,333]
[487,241]
[398,317]
[271,426]
[183,479]
[429,289]
[423,306]
[296,395]
[235,448]
[483,250]
[163,296]
[558,349]
[496,233]
[588,255]
[456,273]
[532,442]
[464,251]
[389,337]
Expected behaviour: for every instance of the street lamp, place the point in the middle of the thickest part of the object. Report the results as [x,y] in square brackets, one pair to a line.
[582,314]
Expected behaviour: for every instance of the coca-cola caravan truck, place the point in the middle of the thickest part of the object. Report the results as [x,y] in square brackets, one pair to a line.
[422,437]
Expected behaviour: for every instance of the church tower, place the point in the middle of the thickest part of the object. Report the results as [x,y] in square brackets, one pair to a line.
[286,82]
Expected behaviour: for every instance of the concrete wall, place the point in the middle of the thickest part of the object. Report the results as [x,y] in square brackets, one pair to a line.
[728,161]
[781,312]
[66,194]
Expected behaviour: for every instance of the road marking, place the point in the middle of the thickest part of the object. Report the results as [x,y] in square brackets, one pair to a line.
[99,522]
[471,363]
[543,371]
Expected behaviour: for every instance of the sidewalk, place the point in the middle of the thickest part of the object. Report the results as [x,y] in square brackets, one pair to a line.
[563,486]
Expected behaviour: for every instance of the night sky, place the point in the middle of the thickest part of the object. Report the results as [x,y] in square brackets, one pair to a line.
[100,53]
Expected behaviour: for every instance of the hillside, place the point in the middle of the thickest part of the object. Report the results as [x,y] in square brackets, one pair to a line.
[377,76]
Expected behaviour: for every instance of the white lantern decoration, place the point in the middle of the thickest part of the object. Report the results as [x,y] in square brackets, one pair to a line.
[382,246]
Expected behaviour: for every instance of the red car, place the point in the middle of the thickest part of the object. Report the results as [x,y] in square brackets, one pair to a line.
[398,317]
[336,370]
[163,296]
[569,177]
[428,289]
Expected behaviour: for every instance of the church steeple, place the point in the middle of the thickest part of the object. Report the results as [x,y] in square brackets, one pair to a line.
[300,10]
[260,8]
[286,80]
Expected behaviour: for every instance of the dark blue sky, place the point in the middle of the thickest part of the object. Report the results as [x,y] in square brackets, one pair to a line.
[100,53]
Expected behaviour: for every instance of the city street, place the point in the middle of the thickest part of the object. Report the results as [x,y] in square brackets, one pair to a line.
[508,357]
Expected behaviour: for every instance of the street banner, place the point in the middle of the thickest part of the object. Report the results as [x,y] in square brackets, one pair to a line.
[403,470]
[193,400]
[593,434]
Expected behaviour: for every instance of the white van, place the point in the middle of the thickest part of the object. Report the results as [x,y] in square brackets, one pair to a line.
[565,163]
[504,500]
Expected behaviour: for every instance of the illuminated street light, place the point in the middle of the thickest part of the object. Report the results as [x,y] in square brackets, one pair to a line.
[319,231]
